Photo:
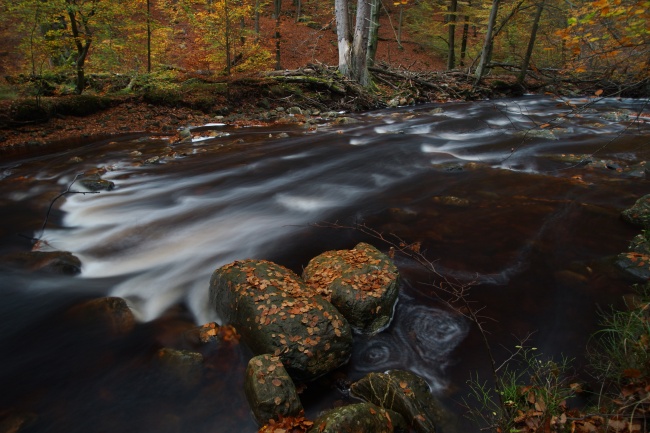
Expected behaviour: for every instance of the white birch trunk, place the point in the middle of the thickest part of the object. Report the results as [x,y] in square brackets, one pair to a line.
[343,35]
[360,43]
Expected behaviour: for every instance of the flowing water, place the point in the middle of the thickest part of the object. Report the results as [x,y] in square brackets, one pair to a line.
[485,189]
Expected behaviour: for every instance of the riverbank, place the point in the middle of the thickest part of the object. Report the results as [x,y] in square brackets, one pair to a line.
[168,102]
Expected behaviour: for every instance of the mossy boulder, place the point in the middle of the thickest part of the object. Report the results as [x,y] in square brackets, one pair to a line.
[639,214]
[355,418]
[270,392]
[276,312]
[362,283]
[407,394]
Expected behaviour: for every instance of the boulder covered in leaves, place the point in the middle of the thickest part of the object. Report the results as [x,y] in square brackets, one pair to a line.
[362,283]
[355,418]
[270,392]
[276,312]
[636,262]
[407,394]
[639,213]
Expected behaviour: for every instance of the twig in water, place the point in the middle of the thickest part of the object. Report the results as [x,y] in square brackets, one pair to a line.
[49,209]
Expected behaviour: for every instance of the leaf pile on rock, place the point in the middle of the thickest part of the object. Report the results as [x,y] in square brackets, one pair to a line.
[277,313]
[362,283]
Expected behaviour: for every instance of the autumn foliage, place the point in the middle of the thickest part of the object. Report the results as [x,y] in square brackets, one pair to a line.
[610,36]
[602,38]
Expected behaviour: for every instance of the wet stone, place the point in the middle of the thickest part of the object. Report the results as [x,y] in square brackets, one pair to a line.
[270,392]
[112,313]
[362,283]
[407,394]
[635,263]
[360,417]
[94,183]
[275,312]
[183,367]
[639,214]
[51,262]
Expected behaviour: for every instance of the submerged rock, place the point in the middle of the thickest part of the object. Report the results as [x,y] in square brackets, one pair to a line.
[95,183]
[51,262]
[276,312]
[355,418]
[269,390]
[639,213]
[404,392]
[181,366]
[112,313]
[362,283]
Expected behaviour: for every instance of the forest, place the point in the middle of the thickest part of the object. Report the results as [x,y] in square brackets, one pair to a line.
[606,40]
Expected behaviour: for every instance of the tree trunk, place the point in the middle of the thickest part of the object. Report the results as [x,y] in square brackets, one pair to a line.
[277,9]
[278,63]
[399,27]
[463,44]
[82,43]
[227,32]
[360,43]
[531,42]
[149,36]
[343,35]
[373,38]
[353,47]
[451,54]
[486,54]
[257,20]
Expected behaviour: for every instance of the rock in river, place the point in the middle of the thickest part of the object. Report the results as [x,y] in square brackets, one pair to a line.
[277,313]
[407,394]
[51,262]
[362,283]
[269,390]
[636,262]
[639,213]
[355,418]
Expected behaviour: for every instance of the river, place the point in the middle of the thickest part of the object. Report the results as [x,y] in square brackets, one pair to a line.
[485,190]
